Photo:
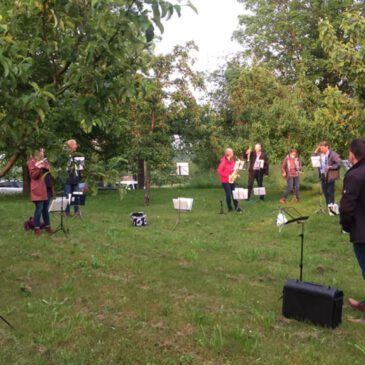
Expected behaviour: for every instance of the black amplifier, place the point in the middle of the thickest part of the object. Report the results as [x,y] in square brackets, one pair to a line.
[321,305]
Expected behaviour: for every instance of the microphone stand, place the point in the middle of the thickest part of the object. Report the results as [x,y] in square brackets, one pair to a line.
[295,216]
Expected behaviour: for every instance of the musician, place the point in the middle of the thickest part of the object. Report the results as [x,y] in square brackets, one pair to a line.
[258,167]
[74,176]
[290,168]
[329,170]
[352,208]
[225,169]
[41,190]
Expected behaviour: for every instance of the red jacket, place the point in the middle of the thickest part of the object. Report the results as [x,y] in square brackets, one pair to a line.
[225,169]
[38,188]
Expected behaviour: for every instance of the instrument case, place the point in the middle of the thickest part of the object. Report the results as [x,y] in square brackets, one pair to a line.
[304,301]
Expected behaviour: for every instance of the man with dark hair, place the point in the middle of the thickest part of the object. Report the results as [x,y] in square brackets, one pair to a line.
[329,171]
[352,208]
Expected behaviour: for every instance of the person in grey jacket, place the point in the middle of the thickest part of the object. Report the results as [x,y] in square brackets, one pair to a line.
[352,208]
[329,170]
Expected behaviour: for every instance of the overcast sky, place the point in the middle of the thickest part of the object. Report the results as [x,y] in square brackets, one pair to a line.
[211,29]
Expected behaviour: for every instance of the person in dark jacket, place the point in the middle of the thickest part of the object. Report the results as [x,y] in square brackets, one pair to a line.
[74,176]
[329,171]
[352,207]
[41,190]
[257,168]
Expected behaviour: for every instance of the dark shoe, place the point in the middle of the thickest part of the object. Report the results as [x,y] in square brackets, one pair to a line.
[357,305]
[238,209]
[37,232]
[77,215]
[230,209]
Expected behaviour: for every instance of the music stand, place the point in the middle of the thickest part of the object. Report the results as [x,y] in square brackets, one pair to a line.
[259,192]
[294,216]
[77,198]
[59,205]
[182,169]
[346,164]
[316,163]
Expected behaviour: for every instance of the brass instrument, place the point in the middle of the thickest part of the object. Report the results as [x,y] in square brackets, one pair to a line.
[237,167]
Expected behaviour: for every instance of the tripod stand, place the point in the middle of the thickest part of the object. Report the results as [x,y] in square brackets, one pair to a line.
[320,209]
[295,216]
[182,169]
[58,205]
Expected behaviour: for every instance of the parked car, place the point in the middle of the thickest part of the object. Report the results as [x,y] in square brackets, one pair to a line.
[128,184]
[11,186]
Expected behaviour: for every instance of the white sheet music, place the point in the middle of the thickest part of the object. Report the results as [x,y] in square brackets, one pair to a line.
[182,168]
[58,205]
[316,161]
[259,191]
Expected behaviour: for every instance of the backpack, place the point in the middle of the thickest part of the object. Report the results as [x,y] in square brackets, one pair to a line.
[29,224]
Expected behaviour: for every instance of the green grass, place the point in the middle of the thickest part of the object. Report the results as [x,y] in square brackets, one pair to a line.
[206,292]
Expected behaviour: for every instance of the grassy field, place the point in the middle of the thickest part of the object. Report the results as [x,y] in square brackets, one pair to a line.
[206,292]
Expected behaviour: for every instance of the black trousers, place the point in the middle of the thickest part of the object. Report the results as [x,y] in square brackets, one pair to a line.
[328,189]
[257,175]
[228,189]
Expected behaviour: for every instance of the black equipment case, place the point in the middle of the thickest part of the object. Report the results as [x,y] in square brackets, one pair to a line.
[321,305]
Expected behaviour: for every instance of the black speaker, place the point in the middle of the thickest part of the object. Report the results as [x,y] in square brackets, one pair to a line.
[321,305]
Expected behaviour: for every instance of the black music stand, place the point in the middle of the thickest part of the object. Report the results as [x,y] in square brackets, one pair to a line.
[320,209]
[316,163]
[77,198]
[294,216]
[59,205]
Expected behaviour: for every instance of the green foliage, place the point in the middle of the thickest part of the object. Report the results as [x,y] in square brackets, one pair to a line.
[72,56]
[346,53]
[300,79]
[285,36]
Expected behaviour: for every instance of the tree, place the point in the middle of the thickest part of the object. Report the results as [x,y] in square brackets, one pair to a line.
[164,106]
[72,55]
[284,36]
[346,56]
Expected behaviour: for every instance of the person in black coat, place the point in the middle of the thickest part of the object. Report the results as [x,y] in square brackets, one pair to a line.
[257,168]
[352,207]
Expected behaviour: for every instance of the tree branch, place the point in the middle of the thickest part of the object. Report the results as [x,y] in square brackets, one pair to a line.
[11,162]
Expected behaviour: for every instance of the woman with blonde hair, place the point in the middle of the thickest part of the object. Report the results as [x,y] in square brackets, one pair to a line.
[41,189]
[225,169]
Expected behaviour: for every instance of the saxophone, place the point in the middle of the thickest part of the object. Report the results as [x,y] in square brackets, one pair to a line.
[237,166]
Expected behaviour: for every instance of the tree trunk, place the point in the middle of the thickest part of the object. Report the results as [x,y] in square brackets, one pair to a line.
[26,179]
[140,174]
[147,184]
[10,163]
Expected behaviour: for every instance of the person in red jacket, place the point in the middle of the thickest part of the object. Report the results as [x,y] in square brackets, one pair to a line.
[226,168]
[41,189]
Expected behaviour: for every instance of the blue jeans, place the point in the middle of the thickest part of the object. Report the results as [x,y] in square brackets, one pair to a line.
[41,209]
[359,249]
[293,185]
[70,189]
[228,188]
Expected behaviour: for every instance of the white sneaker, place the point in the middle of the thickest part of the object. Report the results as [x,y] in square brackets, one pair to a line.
[330,210]
[335,209]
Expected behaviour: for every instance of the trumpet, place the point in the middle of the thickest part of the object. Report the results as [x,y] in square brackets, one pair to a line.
[237,167]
